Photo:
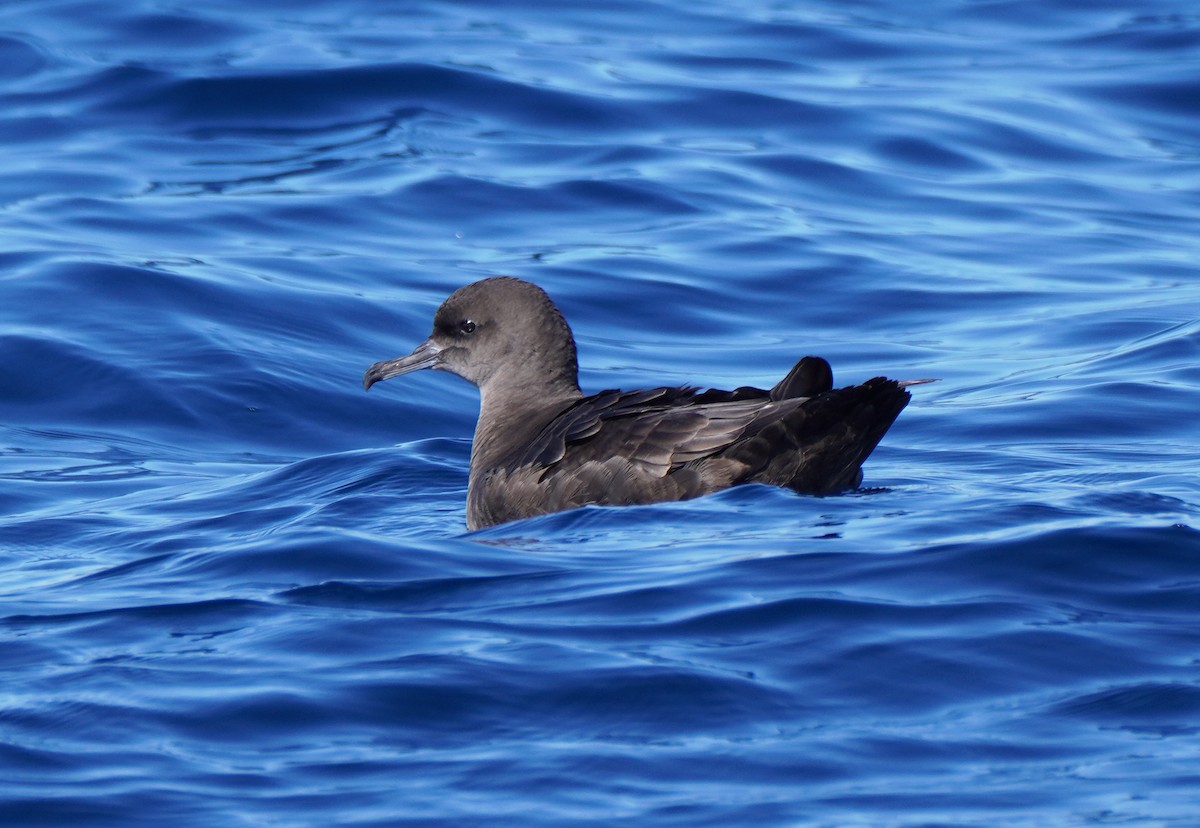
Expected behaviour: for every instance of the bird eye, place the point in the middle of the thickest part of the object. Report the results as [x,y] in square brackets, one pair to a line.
[466,326]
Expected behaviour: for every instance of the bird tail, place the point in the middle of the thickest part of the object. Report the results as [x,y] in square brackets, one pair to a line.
[819,447]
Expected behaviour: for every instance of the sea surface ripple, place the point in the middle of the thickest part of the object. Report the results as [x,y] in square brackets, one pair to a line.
[236,591]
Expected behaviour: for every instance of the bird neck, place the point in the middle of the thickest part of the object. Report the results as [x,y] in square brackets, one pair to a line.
[510,417]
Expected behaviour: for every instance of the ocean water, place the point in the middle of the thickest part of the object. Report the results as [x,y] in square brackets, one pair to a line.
[237,591]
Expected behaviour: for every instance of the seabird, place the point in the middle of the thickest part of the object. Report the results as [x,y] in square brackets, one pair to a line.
[542,446]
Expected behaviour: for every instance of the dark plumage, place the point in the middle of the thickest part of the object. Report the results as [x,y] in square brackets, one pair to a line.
[542,446]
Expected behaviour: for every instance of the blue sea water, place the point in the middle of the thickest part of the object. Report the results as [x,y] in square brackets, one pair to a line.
[236,591]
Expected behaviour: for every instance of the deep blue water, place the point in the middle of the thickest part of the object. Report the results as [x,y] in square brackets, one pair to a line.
[237,591]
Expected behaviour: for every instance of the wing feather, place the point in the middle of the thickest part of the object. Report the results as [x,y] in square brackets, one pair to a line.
[656,431]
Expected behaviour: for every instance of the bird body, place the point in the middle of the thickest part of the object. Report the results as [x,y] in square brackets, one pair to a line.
[541,446]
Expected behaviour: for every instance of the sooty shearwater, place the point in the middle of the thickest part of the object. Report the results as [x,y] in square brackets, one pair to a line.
[542,446]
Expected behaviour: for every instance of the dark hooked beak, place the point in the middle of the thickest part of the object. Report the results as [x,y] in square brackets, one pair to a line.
[424,355]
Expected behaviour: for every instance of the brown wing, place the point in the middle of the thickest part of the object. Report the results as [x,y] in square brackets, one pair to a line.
[663,428]
[655,431]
